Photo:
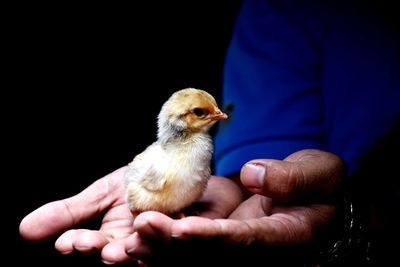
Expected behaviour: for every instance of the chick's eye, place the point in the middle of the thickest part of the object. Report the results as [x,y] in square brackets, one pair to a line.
[198,112]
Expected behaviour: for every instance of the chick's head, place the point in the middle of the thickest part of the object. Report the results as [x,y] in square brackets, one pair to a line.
[189,111]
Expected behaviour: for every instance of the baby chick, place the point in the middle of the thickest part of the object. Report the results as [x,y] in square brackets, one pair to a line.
[172,173]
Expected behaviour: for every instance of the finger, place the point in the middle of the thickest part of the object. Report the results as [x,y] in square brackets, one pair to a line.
[114,252]
[55,217]
[81,240]
[256,206]
[230,231]
[137,247]
[220,198]
[278,229]
[307,173]
[153,226]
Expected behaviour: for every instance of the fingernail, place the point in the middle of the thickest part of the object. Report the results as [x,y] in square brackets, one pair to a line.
[252,175]
[67,252]
[131,251]
[108,262]
[180,236]
[84,249]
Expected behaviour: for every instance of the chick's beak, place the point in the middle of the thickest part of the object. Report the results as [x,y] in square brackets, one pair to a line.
[219,115]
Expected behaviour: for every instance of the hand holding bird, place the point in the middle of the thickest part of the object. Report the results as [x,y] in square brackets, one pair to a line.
[227,216]
[172,173]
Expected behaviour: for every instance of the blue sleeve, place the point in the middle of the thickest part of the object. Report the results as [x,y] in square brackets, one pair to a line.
[308,74]
[271,89]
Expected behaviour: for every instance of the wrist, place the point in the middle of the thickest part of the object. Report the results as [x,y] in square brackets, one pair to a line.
[351,243]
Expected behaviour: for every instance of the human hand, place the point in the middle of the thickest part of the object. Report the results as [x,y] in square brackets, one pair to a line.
[292,201]
[105,198]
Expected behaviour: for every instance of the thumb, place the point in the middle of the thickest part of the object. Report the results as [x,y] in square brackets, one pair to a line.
[307,173]
[58,216]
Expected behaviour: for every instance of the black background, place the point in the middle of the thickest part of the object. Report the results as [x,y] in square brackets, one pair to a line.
[83,87]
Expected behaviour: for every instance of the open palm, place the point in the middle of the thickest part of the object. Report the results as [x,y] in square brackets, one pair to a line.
[105,197]
[292,201]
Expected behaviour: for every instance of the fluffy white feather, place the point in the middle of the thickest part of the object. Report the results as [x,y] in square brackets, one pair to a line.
[172,173]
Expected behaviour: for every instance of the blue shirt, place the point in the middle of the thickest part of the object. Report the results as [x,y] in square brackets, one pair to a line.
[307,74]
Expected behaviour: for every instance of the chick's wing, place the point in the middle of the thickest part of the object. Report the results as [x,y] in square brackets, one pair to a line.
[148,168]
